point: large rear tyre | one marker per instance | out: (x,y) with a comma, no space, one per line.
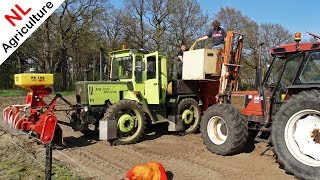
(189,110)
(224,130)
(130,119)
(295,135)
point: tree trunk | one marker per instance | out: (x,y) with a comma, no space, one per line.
(47,46)
(64,69)
(19,63)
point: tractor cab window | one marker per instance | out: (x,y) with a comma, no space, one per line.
(138,69)
(122,68)
(310,72)
(274,73)
(283,70)
(151,67)
(291,69)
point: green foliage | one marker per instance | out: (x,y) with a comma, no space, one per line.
(13,169)
(60,171)
(13,92)
(16,169)
(67,93)
(15,164)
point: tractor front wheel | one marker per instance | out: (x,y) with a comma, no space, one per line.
(224,130)
(189,110)
(296,137)
(130,119)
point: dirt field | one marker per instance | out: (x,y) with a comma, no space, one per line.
(183,157)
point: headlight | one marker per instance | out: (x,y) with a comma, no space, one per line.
(86,109)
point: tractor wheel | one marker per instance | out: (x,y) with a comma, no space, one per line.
(189,110)
(296,137)
(224,130)
(130,119)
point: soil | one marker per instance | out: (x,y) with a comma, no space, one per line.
(184,157)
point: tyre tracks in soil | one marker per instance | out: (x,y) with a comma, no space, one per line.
(202,164)
(117,161)
(105,160)
(185,157)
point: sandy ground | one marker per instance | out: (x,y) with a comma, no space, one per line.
(184,157)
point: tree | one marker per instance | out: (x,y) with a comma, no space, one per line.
(274,34)
(159,12)
(111,25)
(75,19)
(271,34)
(135,23)
(185,24)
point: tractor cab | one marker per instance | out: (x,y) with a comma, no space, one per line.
(145,71)
(132,71)
(294,68)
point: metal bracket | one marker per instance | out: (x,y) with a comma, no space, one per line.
(175,123)
(108,130)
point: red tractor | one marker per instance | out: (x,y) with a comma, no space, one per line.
(285,109)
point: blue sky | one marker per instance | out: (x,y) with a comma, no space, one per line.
(296,16)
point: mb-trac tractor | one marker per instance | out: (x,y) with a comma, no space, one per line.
(138,93)
(285,110)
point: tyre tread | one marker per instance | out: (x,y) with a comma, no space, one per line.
(130,104)
(192,101)
(285,160)
(239,128)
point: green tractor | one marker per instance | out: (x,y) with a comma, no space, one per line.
(136,95)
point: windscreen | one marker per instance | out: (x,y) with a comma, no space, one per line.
(291,69)
(122,68)
(275,72)
(310,73)
(283,70)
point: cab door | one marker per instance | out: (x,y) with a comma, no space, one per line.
(152,87)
